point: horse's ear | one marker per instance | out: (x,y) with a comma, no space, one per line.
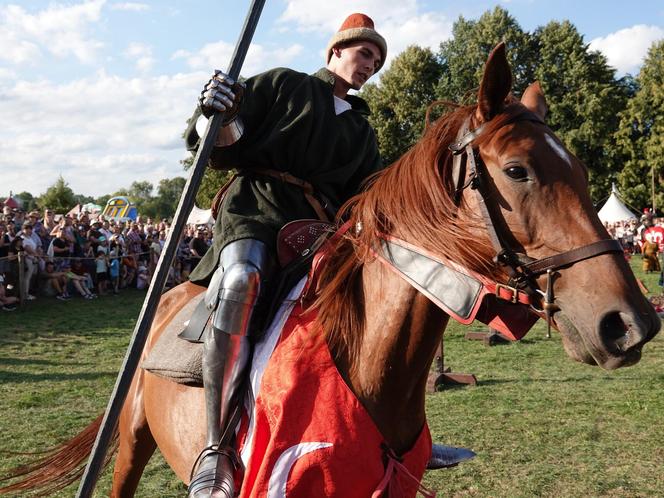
(533,99)
(496,84)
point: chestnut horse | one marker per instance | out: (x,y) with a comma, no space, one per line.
(371,317)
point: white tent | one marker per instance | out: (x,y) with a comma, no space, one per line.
(200,216)
(614,210)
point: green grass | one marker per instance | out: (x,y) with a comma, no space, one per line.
(542,425)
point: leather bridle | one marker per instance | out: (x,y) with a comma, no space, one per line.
(522,269)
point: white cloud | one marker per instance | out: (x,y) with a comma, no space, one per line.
(625,49)
(101,132)
(401,22)
(425,30)
(59,29)
(259,58)
(313,15)
(141,54)
(132,6)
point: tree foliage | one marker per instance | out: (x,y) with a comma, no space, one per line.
(27,201)
(58,197)
(399,104)
(641,133)
(463,56)
(584,100)
(584,96)
(614,125)
(212,181)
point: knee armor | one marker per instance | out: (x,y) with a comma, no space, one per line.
(244,265)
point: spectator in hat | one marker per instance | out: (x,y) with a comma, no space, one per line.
(38,228)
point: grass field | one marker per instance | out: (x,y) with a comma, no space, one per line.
(542,425)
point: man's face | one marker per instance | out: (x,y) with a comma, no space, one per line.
(355,63)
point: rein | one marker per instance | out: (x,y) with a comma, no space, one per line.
(522,270)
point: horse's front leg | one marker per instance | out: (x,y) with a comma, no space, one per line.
(136,443)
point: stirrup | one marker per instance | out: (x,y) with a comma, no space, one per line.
(213,480)
(443,457)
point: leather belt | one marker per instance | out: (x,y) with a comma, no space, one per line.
(322,210)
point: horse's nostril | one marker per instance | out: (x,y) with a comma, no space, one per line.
(614,330)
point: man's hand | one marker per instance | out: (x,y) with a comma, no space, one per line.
(221,94)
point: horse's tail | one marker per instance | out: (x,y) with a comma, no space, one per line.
(57,467)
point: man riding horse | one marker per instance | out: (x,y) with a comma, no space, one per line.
(302,146)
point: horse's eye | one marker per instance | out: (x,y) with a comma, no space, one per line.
(517,172)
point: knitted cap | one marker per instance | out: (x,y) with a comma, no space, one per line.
(358,27)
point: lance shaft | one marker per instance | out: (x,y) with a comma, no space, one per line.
(145,318)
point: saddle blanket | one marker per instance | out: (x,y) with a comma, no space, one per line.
(305,430)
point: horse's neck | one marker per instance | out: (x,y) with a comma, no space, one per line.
(402,331)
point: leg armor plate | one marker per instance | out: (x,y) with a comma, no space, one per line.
(244,266)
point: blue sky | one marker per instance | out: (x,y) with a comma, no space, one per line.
(99,90)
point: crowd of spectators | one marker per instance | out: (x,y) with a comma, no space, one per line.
(632,233)
(86,255)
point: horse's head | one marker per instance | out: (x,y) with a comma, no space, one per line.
(537,195)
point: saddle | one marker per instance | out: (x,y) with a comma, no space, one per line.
(297,243)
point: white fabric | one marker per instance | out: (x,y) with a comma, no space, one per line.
(614,210)
(341,105)
(200,216)
(262,354)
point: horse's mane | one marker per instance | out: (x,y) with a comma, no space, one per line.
(412,199)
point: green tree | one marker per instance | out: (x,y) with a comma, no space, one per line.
(102,200)
(58,197)
(641,133)
(399,103)
(83,199)
(212,181)
(140,192)
(463,56)
(164,204)
(28,202)
(584,100)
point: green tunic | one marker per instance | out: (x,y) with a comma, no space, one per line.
(290,125)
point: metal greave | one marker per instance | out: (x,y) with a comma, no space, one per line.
(227,346)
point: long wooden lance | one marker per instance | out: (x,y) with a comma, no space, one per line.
(139,337)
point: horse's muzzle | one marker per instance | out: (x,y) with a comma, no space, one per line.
(624,334)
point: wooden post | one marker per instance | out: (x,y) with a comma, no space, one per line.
(440,376)
(21,277)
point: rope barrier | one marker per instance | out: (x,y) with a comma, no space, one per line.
(52,258)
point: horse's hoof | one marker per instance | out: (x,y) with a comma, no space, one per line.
(448,456)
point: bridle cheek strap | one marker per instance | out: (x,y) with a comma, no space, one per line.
(522,273)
